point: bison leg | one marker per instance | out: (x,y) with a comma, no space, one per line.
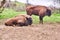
(41,19)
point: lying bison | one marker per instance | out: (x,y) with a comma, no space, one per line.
(21,20)
(41,11)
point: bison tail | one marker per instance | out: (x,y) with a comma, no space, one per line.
(48,12)
(6,24)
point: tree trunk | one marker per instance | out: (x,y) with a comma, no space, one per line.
(2,5)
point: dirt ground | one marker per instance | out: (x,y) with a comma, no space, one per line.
(47,31)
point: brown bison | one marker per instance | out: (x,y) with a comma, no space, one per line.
(41,11)
(21,20)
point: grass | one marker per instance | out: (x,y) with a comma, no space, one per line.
(8,13)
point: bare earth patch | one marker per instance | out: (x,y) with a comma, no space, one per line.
(47,31)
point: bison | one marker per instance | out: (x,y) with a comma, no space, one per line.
(40,11)
(21,20)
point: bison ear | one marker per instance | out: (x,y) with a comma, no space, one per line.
(27,18)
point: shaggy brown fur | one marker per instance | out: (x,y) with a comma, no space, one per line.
(41,11)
